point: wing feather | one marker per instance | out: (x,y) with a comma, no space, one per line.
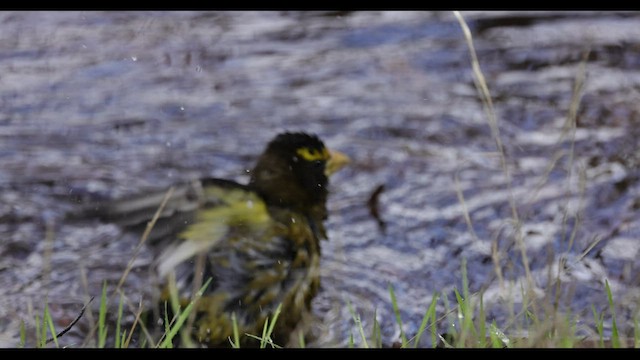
(230,211)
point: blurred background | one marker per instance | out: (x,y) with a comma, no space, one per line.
(102,105)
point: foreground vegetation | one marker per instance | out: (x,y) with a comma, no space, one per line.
(468,327)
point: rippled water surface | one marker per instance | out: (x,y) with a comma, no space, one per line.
(102,105)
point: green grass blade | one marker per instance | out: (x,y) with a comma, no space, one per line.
(123,338)
(267,329)
(174,302)
(118,343)
(102,327)
(143,343)
(263,339)
(396,311)
(235,342)
(361,330)
(482,326)
(356,319)
(615,338)
(498,338)
(599,322)
(272,324)
(23,334)
(168,340)
(41,330)
(461,303)
(451,329)
(429,314)
(49,321)
(465,320)
(376,336)
(468,326)
(274,345)
(167,324)
(568,337)
(434,325)
(301,341)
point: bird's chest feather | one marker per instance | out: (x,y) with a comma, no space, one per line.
(278,265)
(286,268)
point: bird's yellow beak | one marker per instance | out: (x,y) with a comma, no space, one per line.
(337,161)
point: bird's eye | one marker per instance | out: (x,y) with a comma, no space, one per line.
(312,154)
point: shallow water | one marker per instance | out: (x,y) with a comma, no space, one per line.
(101,105)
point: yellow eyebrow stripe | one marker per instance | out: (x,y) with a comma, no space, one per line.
(310,154)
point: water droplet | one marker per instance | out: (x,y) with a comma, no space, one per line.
(168,143)
(84,46)
(250,204)
(134,58)
(181,108)
(293,220)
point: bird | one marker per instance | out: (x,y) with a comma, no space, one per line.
(257,244)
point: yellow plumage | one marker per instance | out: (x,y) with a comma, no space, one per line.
(258,243)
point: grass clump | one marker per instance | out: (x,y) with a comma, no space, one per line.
(469,328)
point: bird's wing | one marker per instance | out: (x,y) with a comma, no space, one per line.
(184,201)
(229,212)
(135,212)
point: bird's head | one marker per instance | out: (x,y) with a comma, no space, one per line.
(294,170)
